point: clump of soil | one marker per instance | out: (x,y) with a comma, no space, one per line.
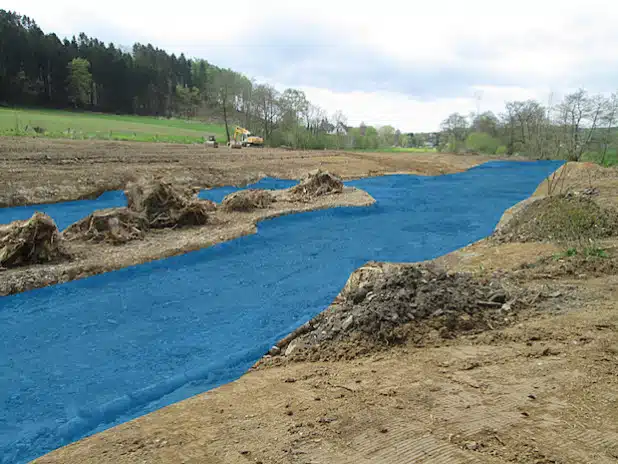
(247,200)
(34,241)
(114,225)
(317,183)
(402,302)
(165,206)
(561,219)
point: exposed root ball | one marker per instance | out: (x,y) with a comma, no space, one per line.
(165,206)
(195,213)
(247,200)
(33,241)
(115,226)
(564,218)
(318,183)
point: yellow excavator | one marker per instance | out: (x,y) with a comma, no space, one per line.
(243,138)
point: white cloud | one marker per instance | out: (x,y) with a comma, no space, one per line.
(409,64)
(409,115)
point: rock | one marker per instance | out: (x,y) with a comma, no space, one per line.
(472,446)
(274,351)
(290,349)
(290,380)
(347,323)
(326,420)
(359,295)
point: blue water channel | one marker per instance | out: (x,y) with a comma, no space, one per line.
(80,357)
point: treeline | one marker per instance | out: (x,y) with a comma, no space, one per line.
(39,69)
(580,126)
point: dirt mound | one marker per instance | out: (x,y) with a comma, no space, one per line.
(33,241)
(247,200)
(572,264)
(397,303)
(165,206)
(317,183)
(115,226)
(561,219)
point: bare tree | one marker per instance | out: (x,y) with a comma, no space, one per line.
(340,121)
(224,85)
(456,129)
(579,117)
(521,121)
(608,120)
(266,104)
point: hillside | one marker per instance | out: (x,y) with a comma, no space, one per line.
(87,125)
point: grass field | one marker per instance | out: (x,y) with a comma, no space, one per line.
(611,157)
(75,125)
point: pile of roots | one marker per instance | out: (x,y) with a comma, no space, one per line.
(317,183)
(165,206)
(114,225)
(247,200)
(404,302)
(33,241)
(561,219)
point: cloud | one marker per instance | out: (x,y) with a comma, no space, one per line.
(410,64)
(413,115)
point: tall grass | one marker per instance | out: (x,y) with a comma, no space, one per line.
(610,158)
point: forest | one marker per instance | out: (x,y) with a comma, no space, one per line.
(41,70)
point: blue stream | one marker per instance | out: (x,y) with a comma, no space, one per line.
(80,357)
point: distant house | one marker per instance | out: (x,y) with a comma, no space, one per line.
(339,129)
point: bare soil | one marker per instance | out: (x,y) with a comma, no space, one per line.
(539,387)
(46,170)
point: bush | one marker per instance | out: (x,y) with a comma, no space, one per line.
(483,143)
(501,150)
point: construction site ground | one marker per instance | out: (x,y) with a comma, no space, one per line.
(44,170)
(542,389)
(36,171)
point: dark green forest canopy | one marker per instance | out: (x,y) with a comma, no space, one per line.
(35,70)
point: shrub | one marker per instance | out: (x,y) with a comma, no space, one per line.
(482,142)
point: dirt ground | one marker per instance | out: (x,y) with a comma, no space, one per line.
(45,170)
(542,390)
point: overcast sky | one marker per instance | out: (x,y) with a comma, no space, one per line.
(408,64)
